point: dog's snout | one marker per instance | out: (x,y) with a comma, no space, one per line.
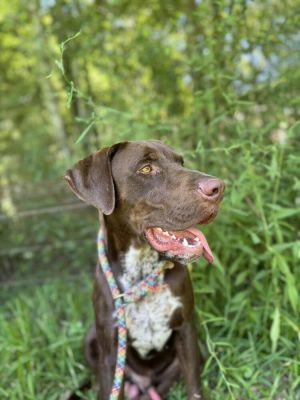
(211,189)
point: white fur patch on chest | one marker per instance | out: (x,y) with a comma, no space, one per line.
(148,319)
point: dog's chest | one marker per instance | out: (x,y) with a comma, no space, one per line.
(148,319)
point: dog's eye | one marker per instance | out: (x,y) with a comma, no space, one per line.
(146,169)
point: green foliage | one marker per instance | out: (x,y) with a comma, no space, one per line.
(217,80)
(39,347)
(249,303)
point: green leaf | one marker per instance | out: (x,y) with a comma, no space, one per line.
(59,65)
(292,293)
(284,212)
(275,329)
(241,277)
(84,133)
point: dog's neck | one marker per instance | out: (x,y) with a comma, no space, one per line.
(118,235)
(130,255)
(137,263)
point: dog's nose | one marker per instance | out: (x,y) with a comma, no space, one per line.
(211,189)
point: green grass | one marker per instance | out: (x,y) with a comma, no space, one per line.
(41,335)
(42,329)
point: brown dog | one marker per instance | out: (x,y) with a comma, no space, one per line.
(148,204)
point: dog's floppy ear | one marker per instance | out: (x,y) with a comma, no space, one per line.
(91,180)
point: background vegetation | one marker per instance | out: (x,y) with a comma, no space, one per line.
(217,80)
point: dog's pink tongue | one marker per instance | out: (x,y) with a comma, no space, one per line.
(207,253)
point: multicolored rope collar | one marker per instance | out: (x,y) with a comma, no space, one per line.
(151,284)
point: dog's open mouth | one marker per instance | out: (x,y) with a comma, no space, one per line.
(187,244)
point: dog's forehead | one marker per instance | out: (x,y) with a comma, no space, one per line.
(132,153)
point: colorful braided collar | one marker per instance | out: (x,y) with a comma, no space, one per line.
(151,284)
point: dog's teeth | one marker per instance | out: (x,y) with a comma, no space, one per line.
(185,242)
(166,233)
(173,237)
(197,239)
(159,229)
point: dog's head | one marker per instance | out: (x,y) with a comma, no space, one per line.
(144,186)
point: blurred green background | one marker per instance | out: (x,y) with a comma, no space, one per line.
(217,80)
